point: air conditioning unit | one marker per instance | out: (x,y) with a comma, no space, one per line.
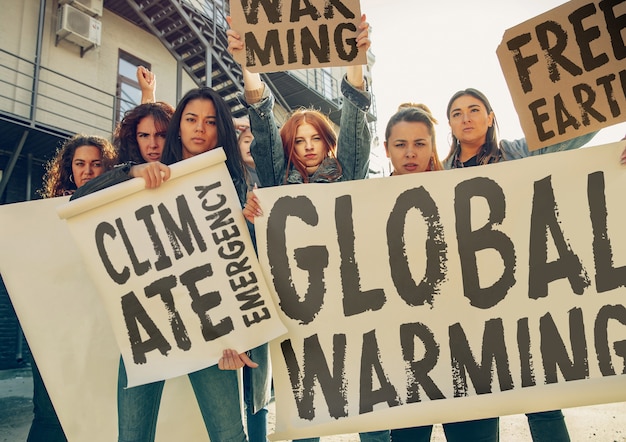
(91,7)
(76,26)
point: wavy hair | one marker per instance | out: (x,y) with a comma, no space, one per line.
(57,179)
(125,135)
(324,128)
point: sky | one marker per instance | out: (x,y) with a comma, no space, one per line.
(427,50)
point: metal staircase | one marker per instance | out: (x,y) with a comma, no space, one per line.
(194,33)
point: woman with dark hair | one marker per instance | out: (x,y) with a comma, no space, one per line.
(80,159)
(307,149)
(140,136)
(201,122)
(475,138)
(475,143)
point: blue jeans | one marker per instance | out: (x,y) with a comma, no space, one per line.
(45,426)
(372,436)
(217,394)
(256,423)
(548,426)
(481,430)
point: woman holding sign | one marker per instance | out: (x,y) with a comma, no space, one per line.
(79,160)
(201,122)
(475,143)
(307,149)
(411,147)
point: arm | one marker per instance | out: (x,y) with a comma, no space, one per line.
(516,149)
(267,148)
(147,83)
(354,142)
(154,174)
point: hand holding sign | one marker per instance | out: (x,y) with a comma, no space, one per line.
(281,36)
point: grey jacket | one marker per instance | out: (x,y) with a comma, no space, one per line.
(516,149)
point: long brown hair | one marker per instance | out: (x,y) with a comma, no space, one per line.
(324,128)
(490,151)
(125,135)
(58,179)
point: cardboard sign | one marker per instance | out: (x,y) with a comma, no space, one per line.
(176,269)
(448,296)
(296,34)
(566,70)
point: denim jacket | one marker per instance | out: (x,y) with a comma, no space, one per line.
(517,149)
(353,143)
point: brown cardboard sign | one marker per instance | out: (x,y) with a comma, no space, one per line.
(566,70)
(297,34)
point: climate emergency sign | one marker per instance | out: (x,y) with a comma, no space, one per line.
(566,70)
(449,295)
(283,35)
(175,268)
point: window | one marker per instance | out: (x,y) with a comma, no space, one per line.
(128,90)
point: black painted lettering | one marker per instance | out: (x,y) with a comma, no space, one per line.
(105,229)
(298,12)
(544,219)
(331,5)
(202,303)
(270,50)
(272,8)
(145,214)
(140,268)
(607,276)
(417,370)
(607,83)
(563,117)
(615,26)
(526,361)
(355,300)
(601,332)
(553,351)
(163,287)
(493,351)
(485,237)
(522,64)
(315,369)
(313,258)
(540,118)
(182,234)
(435,248)
(310,45)
(134,313)
(551,30)
(584,37)
(349,43)
(370,365)
(586,103)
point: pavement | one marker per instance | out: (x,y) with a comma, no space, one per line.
(601,423)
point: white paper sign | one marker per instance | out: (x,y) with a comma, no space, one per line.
(448,296)
(176,269)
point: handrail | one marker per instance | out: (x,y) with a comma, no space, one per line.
(61,101)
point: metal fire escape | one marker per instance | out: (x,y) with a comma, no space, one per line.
(194,32)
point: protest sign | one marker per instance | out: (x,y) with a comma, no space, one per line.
(68,331)
(566,70)
(176,269)
(286,35)
(448,296)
